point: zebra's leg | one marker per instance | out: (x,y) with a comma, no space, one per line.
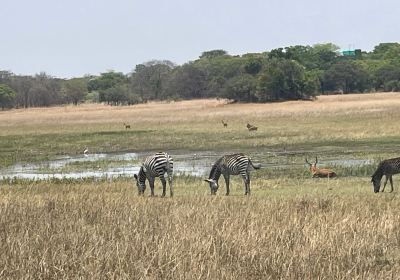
(151,183)
(391,183)
(246,180)
(171,192)
(226,177)
(164,185)
(384,185)
(248,183)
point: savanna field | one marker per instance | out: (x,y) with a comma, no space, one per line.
(291,227)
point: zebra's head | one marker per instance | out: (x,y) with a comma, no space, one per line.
(141,180)
(376,182)
(213,185)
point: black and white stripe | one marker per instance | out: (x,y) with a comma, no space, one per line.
(236,164)
(155,166)
(387,167)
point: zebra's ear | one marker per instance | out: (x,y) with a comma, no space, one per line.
(135,175)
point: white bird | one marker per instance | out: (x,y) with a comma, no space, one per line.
(85,151)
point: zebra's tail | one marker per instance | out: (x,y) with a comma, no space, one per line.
(255,165)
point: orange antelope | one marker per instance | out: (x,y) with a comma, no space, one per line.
(251,127)
(320,173)
(224,123)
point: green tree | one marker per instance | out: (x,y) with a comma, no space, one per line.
(241,88)
(346,76)
(7,96)
(213,54)
(187,81)
(106,80)
(149,79)
(285,79)
(75,90)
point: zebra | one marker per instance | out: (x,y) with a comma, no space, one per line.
(227,165)
(155,166)
(387,167)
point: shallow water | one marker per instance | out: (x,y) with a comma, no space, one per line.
(189,163)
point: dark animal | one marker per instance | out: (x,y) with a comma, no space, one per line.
(155,166)
(320,173)
(387,167)
(224,123)
(251,127)
(236,164)
(127,126)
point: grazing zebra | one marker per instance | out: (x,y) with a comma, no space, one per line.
(155,166)
(224,123)
(387,167)
(231,165)
(251,127)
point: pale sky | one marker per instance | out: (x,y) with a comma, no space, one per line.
(70,38)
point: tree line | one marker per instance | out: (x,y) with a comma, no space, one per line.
(290,73)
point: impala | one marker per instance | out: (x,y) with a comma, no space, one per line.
(320,173)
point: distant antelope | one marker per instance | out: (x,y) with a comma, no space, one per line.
(320,173)
(127,126)
(155,166)
(251,127)
(224,123)
(231,165)
(387,167)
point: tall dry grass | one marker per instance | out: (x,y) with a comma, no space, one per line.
(103,231)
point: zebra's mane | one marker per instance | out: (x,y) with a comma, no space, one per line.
(378,172)
(142,174)
(215,172)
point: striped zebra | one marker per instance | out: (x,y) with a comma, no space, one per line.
(387,167)
(231,165)
(155,166)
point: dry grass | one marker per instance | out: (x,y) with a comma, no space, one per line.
(102,231)
(191,112)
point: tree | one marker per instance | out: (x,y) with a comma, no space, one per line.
(149,79)
(7,96)
(386,51)
(346,76)
(106,80)
(285,79)
(187,81)
(45,91)
(74,90)
(241,88)
(22,85)
(213,54)
(387,76)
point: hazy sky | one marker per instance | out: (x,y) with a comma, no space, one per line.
(67,38)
